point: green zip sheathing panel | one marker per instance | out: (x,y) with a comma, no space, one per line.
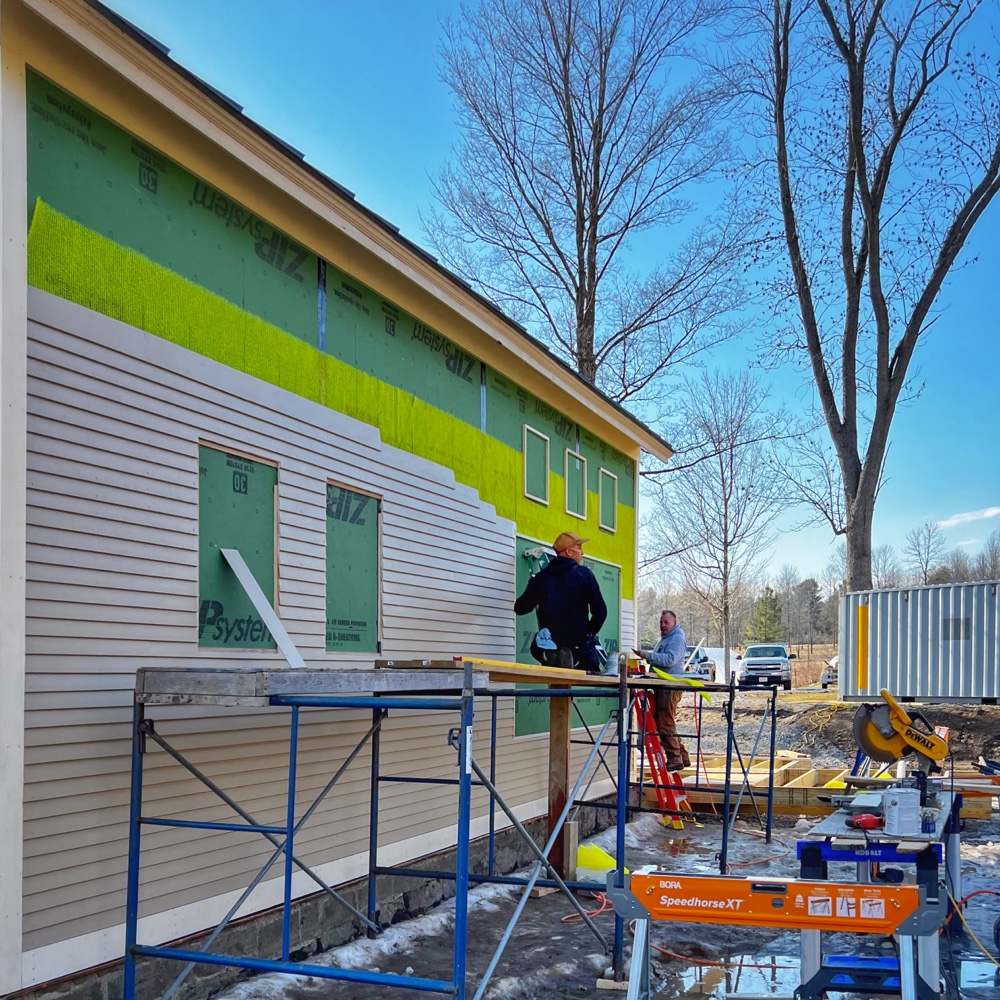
(79,264)
(104,178)
(107,180)
(236,499)
(372,334)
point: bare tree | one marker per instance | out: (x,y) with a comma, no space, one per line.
(988,560)
(784,585)
(721,509)
(886,571)
(810,612)
(583,126)
(955,567)
(834,576)
(880,129)
(924,549)
(650,601)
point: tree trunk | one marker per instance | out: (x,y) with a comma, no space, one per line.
(860,513)
(586,358)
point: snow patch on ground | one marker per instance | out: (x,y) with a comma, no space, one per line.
(637,833)
(538,984)
(400,939)
(987,856)
(272,986)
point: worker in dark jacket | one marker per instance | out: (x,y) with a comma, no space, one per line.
(569,605)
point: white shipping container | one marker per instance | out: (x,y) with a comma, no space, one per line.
(935,643)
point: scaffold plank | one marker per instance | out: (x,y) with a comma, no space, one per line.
(255,686)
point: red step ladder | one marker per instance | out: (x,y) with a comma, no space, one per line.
(670,791)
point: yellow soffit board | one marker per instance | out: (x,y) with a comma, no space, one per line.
(98,63)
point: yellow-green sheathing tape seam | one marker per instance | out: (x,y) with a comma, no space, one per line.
(78,264)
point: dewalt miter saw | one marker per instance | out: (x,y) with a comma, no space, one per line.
(888,733)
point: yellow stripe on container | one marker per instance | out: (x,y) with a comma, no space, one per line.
(862,647)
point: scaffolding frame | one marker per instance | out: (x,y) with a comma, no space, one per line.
(422,696)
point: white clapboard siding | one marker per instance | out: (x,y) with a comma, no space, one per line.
(629,637)
(115,420)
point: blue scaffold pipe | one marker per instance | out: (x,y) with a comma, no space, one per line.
(194,824)
(728,710)
(491,868)
(464,824)
(299,969)
(378,715)
(286,914)
(134,835)
(341,701)
(618,946)
(770,770)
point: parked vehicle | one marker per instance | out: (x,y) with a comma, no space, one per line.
(702,664)
(830,671)
(766,663)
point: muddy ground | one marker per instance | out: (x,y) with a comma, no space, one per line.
(550,957)
(824,729)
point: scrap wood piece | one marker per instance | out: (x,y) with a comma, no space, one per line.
(968,786)
(504,670)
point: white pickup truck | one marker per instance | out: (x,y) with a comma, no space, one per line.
(767,663)
(829,675)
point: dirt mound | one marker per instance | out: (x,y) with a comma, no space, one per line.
(824,729)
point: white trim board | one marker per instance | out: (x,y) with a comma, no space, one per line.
(13,523)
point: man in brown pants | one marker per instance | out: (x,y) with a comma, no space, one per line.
(669,656)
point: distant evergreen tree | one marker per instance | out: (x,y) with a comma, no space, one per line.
(764,624)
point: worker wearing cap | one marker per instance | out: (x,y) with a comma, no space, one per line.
(568,602)
(669,655)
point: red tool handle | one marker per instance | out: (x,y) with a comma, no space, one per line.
(866,821)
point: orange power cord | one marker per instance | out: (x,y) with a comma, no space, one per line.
(607,907)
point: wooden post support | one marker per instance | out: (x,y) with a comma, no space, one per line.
(560,710)
(571,846)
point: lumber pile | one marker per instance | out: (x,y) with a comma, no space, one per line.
(800,788)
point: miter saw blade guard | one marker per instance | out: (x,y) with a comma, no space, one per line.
(875,735)
(887,733)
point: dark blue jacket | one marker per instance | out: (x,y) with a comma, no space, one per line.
(568,600)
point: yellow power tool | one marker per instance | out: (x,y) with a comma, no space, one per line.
(888,733)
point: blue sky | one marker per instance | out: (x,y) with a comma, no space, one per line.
(355,87)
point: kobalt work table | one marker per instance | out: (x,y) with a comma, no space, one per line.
(917,974)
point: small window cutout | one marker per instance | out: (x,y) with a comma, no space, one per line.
(536,465)
(956,629)
(575,472)
(608,497)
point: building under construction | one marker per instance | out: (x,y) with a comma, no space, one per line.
(208,347)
